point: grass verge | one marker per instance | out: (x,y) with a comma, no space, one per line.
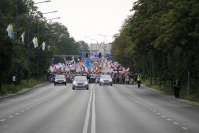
(193,96)
(10,89)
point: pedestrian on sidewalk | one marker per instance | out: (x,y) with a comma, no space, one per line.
(14,80)
(176,88)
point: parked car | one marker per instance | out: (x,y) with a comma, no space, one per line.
(80,82)
(60,79)
(106,79)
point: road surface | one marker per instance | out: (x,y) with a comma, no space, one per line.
(101,109)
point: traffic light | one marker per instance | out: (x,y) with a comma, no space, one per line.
(100,55)
(86,55)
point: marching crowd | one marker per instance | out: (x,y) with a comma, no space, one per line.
(117,77)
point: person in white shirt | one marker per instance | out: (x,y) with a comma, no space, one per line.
(14,80)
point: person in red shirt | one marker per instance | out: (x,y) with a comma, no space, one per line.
(117,78)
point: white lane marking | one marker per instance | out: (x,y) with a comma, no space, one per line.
(93,124)
(169,119)
(175,123)
(22,111)
(3,120)
(154,111)
(11,116)
(158,113)
(17,113)
(27,108)
(163,116)
(184,128)
(85,128)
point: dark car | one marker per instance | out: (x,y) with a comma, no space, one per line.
(80,82)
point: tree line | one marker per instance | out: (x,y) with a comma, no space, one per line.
(22,59)
(161,39)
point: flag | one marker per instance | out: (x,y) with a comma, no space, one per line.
(43,46)
(10,31)
(87,63)
(48,47)
(35,42)
(23,37)
(126,71)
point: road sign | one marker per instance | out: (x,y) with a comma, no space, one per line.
(96,55)
(109,55)
(83,55)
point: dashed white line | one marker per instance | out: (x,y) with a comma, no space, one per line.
(175,123)
(17,113)
(184,128)
(22,111)
(11,116)
(3,120)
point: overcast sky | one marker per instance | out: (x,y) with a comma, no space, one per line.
(86,19)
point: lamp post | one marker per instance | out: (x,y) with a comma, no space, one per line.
(38,50)
(54,18)
(28,48)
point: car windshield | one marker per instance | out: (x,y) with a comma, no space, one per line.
(80,78)
(60,76)
(106,76)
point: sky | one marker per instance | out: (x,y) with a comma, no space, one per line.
(89,20)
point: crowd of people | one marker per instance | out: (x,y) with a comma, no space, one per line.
(117,76)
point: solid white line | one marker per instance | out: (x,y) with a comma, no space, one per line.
(93,124)
(85,128)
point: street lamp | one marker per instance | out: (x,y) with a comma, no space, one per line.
(54,18)
(28,48)
(43,2)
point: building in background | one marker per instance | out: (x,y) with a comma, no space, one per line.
(103,48)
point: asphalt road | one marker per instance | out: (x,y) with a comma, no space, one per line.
(101,109)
